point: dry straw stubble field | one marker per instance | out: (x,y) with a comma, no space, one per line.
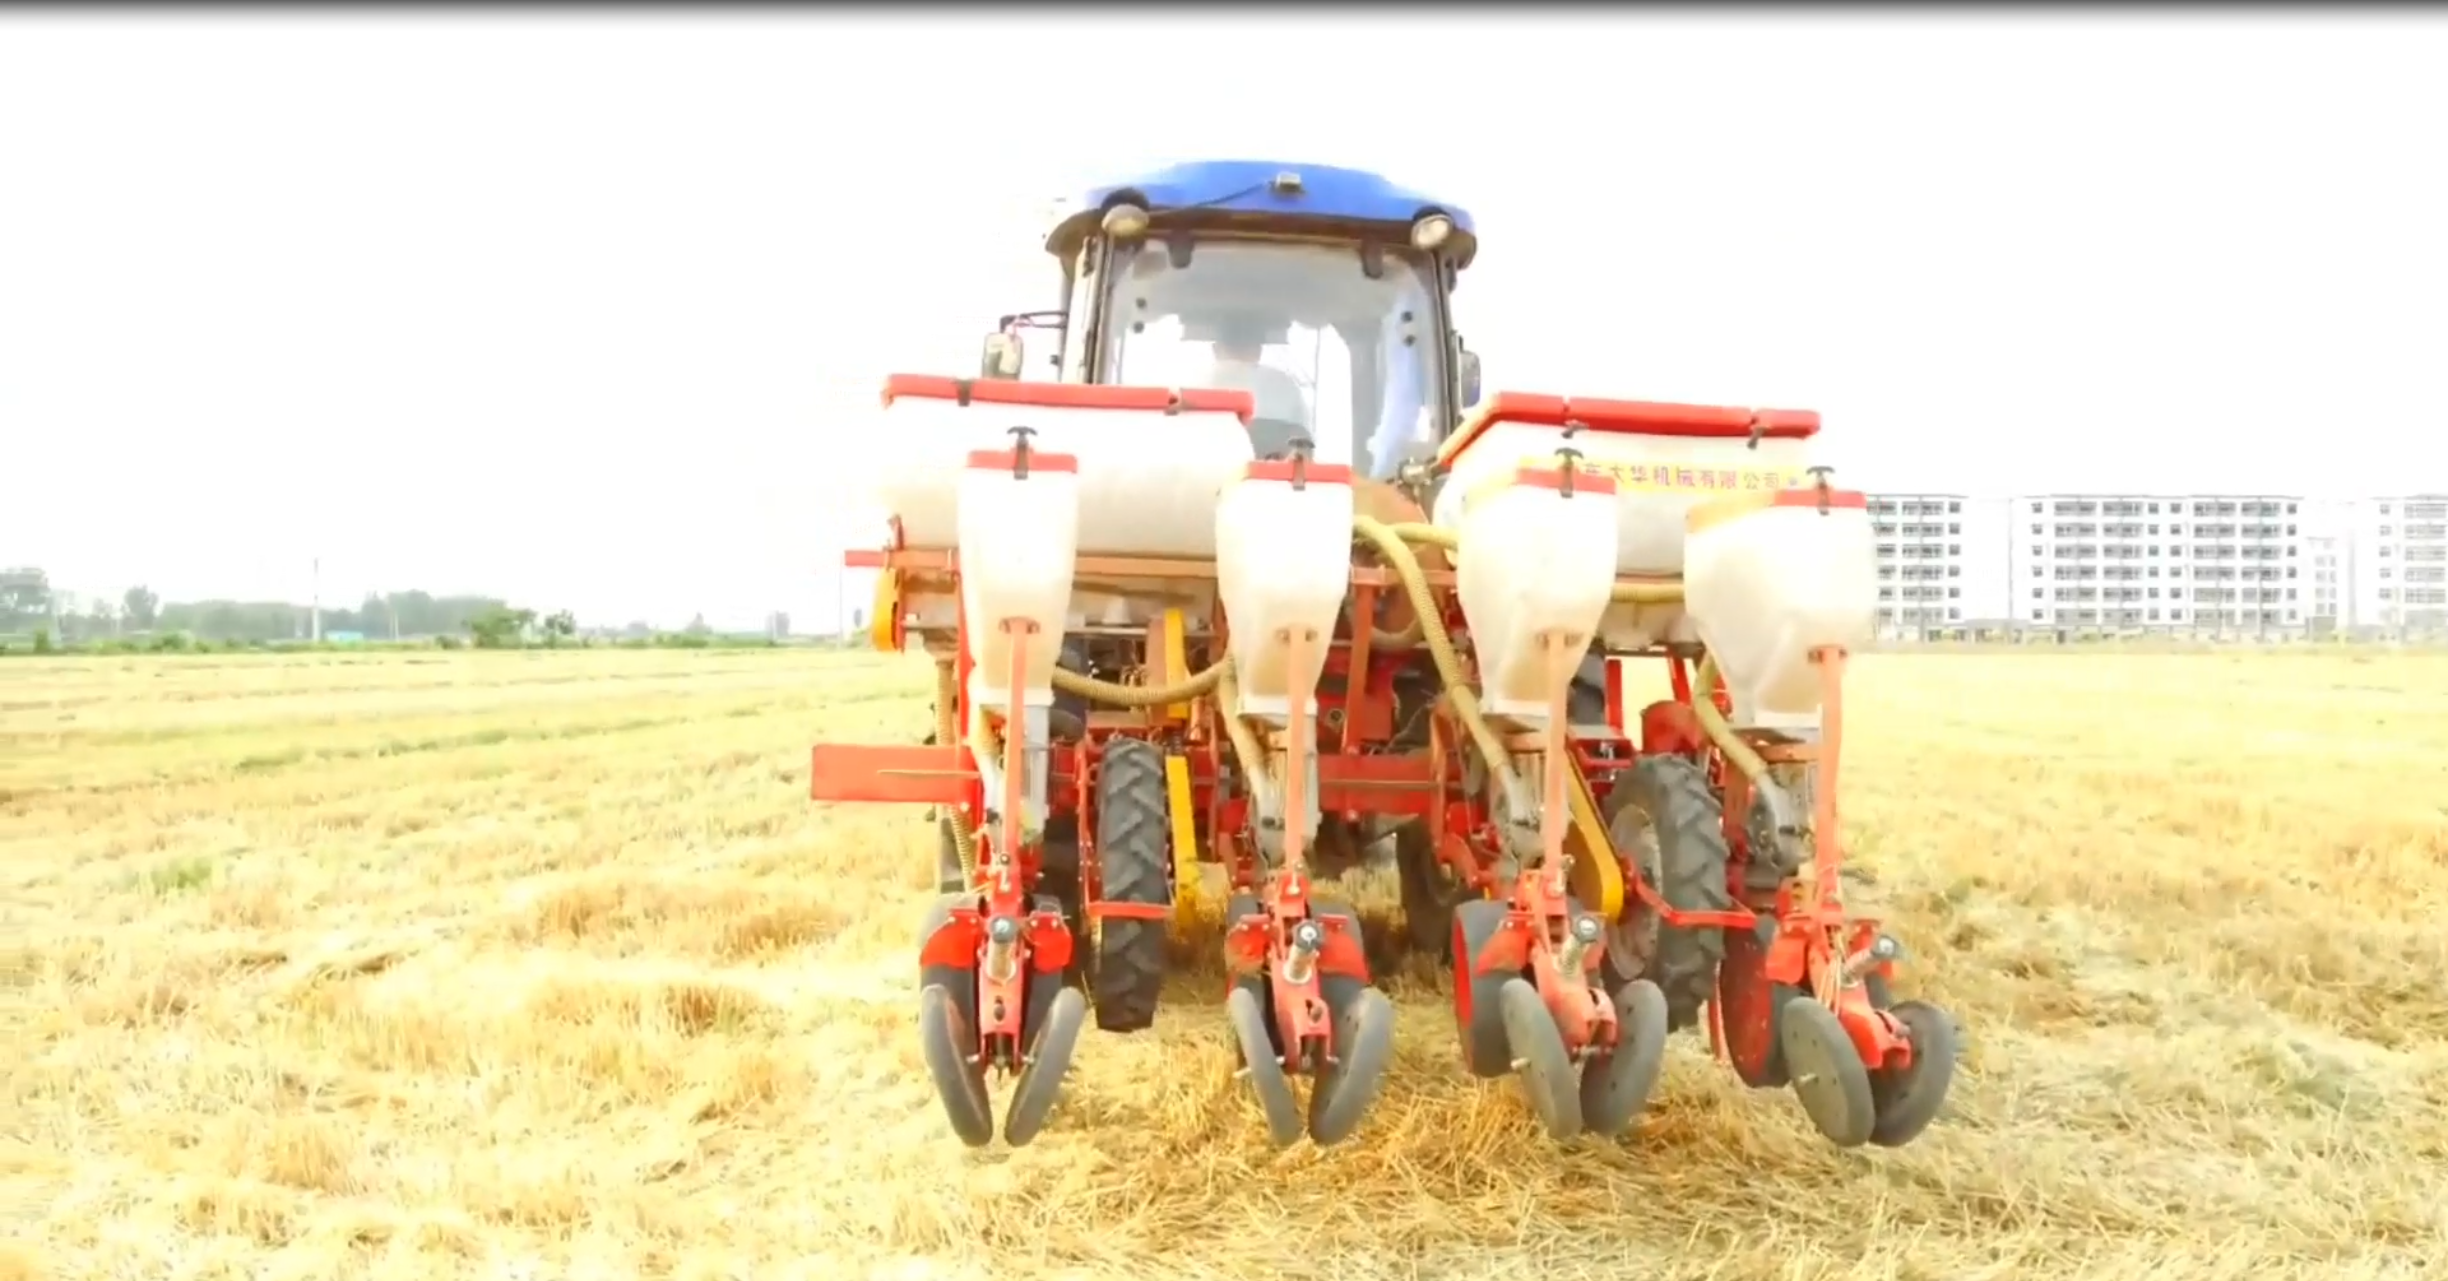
(460,965)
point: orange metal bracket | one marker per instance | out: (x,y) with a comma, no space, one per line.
(915,774)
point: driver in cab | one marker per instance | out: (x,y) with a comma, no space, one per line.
(1282,408)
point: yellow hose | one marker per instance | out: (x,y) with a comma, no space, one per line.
(1412,531)
(1244,743)
(1730,744)
(1117,695)
(1406,567)
(1392,543)
(1647,594)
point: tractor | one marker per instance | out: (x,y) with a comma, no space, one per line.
(1250,574)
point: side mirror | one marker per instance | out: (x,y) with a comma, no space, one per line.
(1000,357)
(1467,363)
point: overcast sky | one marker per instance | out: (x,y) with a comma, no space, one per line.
(588,309)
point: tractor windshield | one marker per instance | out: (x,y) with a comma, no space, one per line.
(1350,362)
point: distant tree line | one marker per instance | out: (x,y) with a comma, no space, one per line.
(34,615)
(28,603)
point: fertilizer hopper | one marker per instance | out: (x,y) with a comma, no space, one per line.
(1255,576)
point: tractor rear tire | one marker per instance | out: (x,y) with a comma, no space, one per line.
(1134,845)
(1687,818)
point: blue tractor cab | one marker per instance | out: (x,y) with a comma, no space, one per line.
(1324,292)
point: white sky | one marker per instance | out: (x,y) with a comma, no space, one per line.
(587,309)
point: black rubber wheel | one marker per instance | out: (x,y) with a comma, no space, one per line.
(1828,1075)
(1254,1033)
(1547,1068)
(1478,1008)
(1134,846)
(1616,1086)
(1429,892)
(1068,721)
(945,1038)
(1049,1057)
(1058,879)
(1686,817)
(1907,1101)
(1363,1049)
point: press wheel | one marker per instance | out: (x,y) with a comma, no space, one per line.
(1908,1099)
(1266,1073)
(1546,1067)
(1478,998)
(1828,1075)
(1049,1057)
(1616,1086)
(1363,1049)
(950,1048)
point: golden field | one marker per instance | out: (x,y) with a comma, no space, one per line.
(542,965)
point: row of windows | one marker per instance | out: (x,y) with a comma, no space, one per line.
(2130,573)
(2175,551)
(2139,507)
(2131,617)
(2134,617)
(2423,509)
(2138,530)
(2173,593)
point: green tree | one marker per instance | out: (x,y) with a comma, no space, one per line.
(500,627)
(140,607)
(559,626)
(25,598)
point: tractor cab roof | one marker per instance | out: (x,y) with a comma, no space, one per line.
(1269,195)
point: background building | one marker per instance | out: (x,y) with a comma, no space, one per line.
(2325,607)
(2397,570)
(2221,564)
(1941,561)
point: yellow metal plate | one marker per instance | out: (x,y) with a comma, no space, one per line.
(1176,661)
(1185,836)
(884,613)
(1597,879)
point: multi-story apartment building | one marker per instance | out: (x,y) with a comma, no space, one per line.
(2205,563)
(1941,561)
(1915,562)
(2325,604)
(2397,580)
